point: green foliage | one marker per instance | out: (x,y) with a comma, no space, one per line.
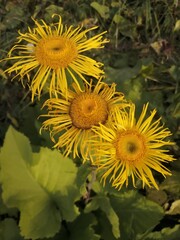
(171,185)
(40,185)
(140,213)
(44,187)
(126,211)
(44,194)
(9,230)
(101,9)
(81,229)
(164,234)
(102,202)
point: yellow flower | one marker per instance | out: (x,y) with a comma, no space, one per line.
(72,115)
(55,51)
(131,149)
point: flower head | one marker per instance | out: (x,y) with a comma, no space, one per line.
(131,149)
(72,116)
(55,51)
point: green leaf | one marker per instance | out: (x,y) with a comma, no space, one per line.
(171,184)
(9,230)
(104,226)
(82,229)
(40,185)
(29,122)
(177,26)
(175,208)
(13,18)
(39,216)
(102,202)
(126,27)
(101,9)
(122,75)
(137,214)
(13,212)
(164,234)
(57,175)
(157,196)
(83,171)
(20,145)
(127,81)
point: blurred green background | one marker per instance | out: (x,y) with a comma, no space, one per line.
(142,58)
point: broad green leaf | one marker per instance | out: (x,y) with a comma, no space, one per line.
(39,215)
(165,234)
(82,229)
(40,185)
(104,226)
(101,9)
(4,209)
(175,208)
(19,145)
(57,174)
(9,230)
(102,202)
(137,214)
(12,212)
(127,82)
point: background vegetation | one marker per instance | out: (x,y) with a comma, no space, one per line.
(143,59)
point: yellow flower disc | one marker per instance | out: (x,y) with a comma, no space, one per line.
(56,51)
(87,110)
(130,146)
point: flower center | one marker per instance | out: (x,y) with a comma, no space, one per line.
(87,110)
(56,52)
(130,146)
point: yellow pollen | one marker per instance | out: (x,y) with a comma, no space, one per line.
(87,110)
(56,52)
(130,146)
